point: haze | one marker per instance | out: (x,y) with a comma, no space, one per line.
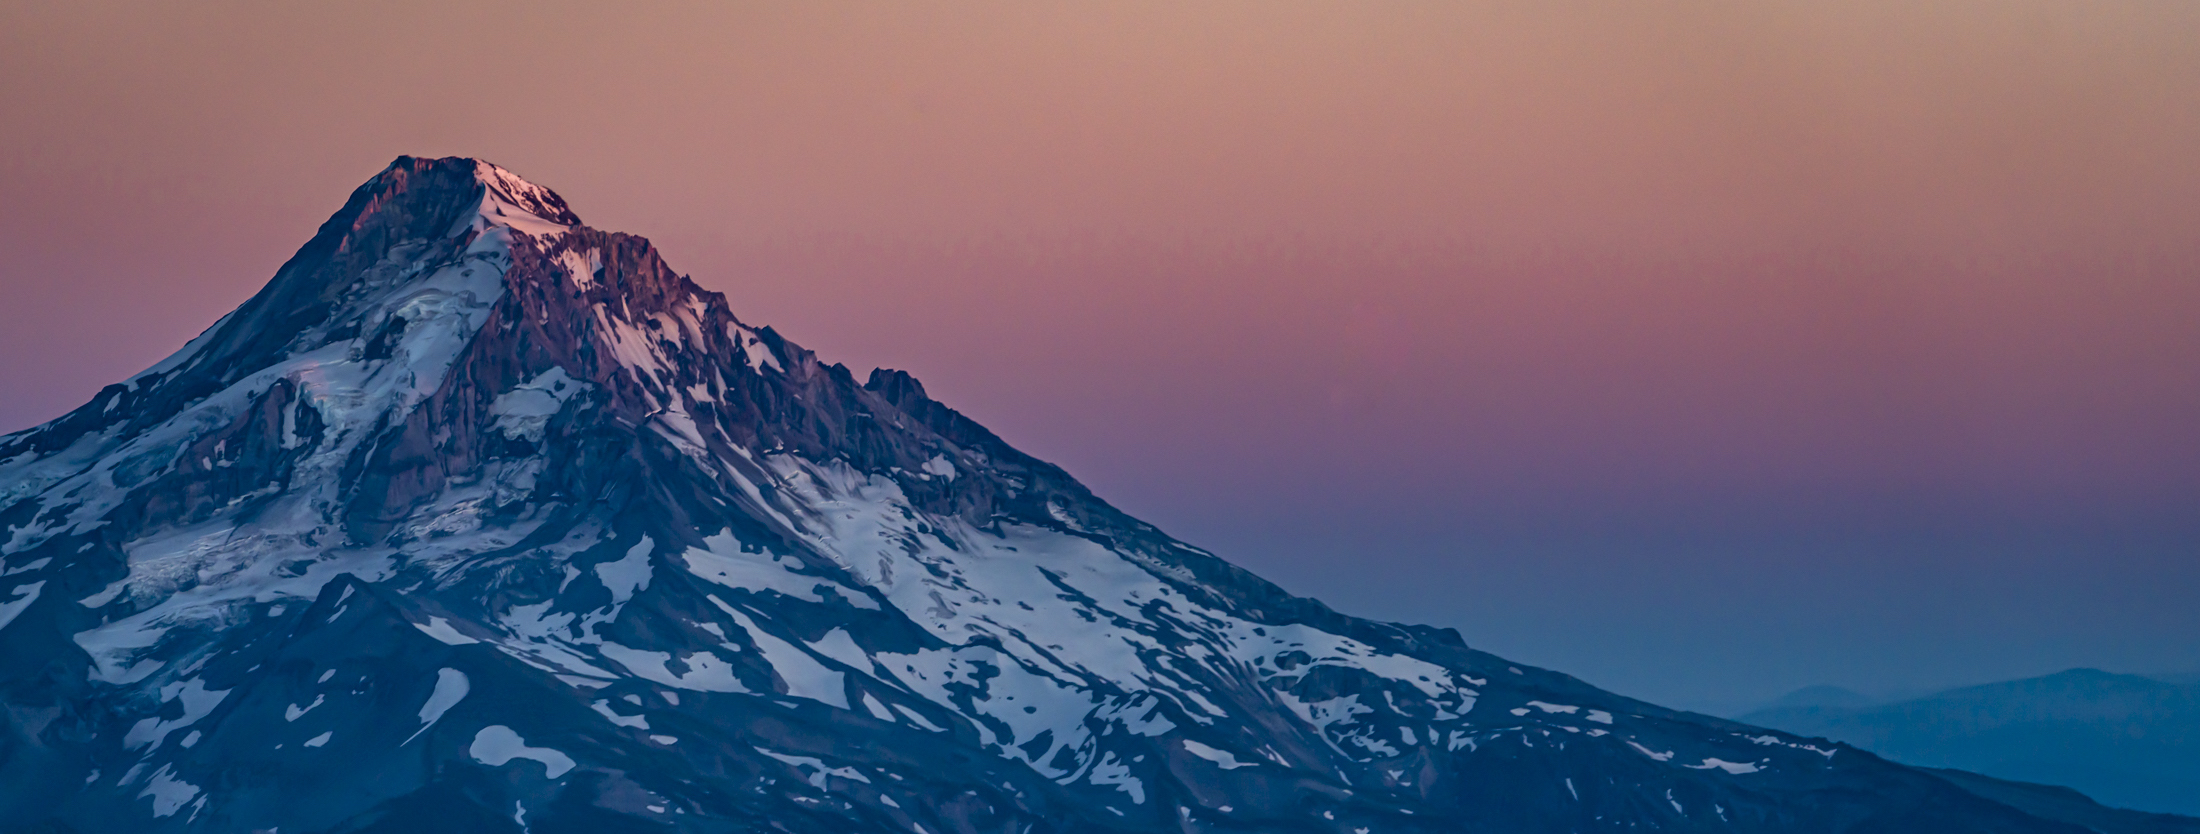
(1702,350)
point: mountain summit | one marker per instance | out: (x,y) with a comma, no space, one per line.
(477,519)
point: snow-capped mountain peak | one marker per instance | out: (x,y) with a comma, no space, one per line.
(477,518)
(507,200)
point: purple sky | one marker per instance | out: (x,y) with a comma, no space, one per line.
(1704,350)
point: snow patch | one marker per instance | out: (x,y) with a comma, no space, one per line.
(451,687)
(603,708)
(198,702)
(294,712)
(1663,757)
(836,644)
(721,560)
(1109,771)
(524,412)
(441,629)
(940,466)
(168,792)
(629,575)
(24,595)
(1775,740)
(752,346)
(1221,758)
(1722,764)
(497,744)
(804,676)
(106,595)
(877,710)
(817,767)
(706,672)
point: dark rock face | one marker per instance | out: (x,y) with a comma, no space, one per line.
(477,519)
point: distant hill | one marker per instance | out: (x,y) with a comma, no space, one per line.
(2060,803)
(2125,740)
(1823,696)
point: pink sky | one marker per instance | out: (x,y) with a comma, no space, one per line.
(1567,315)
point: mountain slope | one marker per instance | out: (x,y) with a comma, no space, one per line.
(478,519)
(2125,740)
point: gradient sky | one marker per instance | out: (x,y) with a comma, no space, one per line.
(1704,350)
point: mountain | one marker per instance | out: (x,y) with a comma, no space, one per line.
(2125,740)
(2060,803)
(1823,696)
(477,519)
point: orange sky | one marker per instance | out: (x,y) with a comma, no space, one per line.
(1525,296)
